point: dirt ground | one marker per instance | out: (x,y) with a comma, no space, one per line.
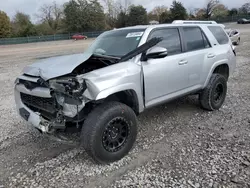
(179,145)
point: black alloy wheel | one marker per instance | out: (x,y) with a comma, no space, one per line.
(116,134)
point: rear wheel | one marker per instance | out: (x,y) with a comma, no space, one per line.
(109,132)
(213,96)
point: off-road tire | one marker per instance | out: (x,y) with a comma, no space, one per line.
(207,96)
(96,126)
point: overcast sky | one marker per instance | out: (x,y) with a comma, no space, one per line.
(31,6)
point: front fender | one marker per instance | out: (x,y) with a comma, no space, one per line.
(123,87)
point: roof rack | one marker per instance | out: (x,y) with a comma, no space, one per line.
(193,22)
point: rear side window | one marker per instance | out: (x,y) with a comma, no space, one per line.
(219,34)
(171,39)
(195,39)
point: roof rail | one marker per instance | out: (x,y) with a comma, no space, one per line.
(193,22)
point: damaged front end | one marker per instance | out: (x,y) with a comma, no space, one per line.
(51,105)
(54,103)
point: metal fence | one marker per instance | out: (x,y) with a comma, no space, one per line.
(44,38)
(233,18)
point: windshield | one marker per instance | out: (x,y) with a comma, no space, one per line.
(116,43)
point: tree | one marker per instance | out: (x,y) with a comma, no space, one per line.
(210,6)
(123,5)
(178,11)
(165,17)
(152,16)
(220,11)
(191,14)
(122,20)
(233,11)
(137,15)
(5,25)
(43,29)
(200,14)
(157,11)
(72,11)
(112,11)
(52,14)
(245,9)
(96,16)
(22,26)
(83,15)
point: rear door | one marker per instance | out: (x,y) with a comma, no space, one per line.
(198,52)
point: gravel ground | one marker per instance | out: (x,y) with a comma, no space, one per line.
(179,145)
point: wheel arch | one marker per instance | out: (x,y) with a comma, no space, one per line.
(124,94)
(220,68)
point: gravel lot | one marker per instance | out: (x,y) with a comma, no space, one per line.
(179,145)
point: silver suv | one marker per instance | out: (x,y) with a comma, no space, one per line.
(124,72)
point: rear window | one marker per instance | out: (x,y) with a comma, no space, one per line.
(219,34)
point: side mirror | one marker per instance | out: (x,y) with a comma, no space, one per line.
(156,52)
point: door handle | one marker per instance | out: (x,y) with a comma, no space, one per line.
(210,55)
(183,62)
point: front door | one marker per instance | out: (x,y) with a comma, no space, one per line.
(168,75)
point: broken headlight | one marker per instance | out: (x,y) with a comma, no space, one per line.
(68,90)
(68,93)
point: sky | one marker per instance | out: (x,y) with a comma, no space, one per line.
(31,7)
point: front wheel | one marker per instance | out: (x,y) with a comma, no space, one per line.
(213,96)
(109,132)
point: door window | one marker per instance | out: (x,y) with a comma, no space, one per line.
(171,39)
(195,39)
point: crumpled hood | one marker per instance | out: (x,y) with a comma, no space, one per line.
(56,66)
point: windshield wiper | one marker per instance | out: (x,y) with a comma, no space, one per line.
(105,58)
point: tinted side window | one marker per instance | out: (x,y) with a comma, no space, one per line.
(194,38)
(219,34)
(171,40)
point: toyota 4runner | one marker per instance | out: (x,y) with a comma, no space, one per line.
(124,72)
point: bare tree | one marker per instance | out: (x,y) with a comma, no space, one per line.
(245,9)
(123,5)
(158,10)
(111,8)
(51,14)
(210,6)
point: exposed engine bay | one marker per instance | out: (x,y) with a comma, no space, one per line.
(95,62)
